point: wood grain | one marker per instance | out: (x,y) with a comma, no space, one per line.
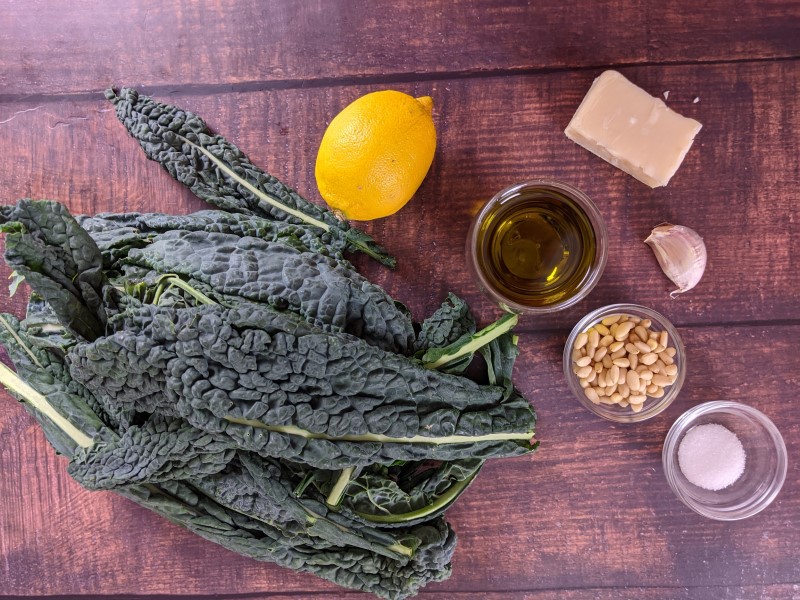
(737,187)
(53,48)
(590,510)
(588,516)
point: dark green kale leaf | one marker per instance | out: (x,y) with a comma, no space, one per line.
(331,295)
(116,234)
(451,321)
(74,429)
(161,449)
(219,173)
(59,260)
(287,390)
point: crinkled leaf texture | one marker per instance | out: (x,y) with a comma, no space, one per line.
(285,389)
(219,173)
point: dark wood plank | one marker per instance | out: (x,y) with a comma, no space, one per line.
(590,510)
(737,186)
(52,48)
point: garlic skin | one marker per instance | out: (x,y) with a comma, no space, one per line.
(681,253)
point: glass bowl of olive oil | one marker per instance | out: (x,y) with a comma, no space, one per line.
(537,247)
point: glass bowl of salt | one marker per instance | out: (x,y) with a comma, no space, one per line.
(725,460)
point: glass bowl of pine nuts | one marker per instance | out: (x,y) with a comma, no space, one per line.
(625,362)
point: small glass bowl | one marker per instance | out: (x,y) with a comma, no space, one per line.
(765,462)
(651,406)
(513,193)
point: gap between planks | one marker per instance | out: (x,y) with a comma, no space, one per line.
(210,89)
(344,594)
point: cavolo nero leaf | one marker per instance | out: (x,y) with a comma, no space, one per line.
(449,323)
(407,562)
(219,173)
(282,388)
(331,295)
(117,234)
(58,259)
(463,349)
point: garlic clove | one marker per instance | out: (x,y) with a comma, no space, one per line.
(681,253)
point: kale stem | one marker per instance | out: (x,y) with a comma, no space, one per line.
(16,337)
(375,437)
(483,337)
(196,294)
(339,488)
(22,390)
(257,192)
(439,503)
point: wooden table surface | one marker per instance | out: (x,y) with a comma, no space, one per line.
(588,516)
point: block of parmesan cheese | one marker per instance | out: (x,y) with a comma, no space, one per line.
(626,126)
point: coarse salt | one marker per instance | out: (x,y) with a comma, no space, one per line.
(711,456)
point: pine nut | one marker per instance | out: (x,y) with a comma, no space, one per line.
(581,340)
(668,360)
(601,379)
(616,346)
(652,388)
(649,358)
(623,331)
(636,407)
(646,375)
(616,398)
(584,372)
(631,349)
(584,384)
(591,394)
(652,344)
(659,393)
(634,360)
(601,329)
(600,353)
(598,367)
(643,348)
(606,340)
(624,403)
(583,361)
(624,390)
(609,321)
(632,379)
(594,338)
(614,374)
(671,352)
(663,339)
(646,323)
(622,362)
(618,353)
(637,399)
(641,332)
(661,380)
(607,361)
(671,370)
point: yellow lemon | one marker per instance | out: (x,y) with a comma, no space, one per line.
(375,154)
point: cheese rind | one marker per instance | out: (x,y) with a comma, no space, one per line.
(632,130)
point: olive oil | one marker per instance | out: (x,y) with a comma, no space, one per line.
(536,248)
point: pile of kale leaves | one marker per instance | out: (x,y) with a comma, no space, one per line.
(231,371)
